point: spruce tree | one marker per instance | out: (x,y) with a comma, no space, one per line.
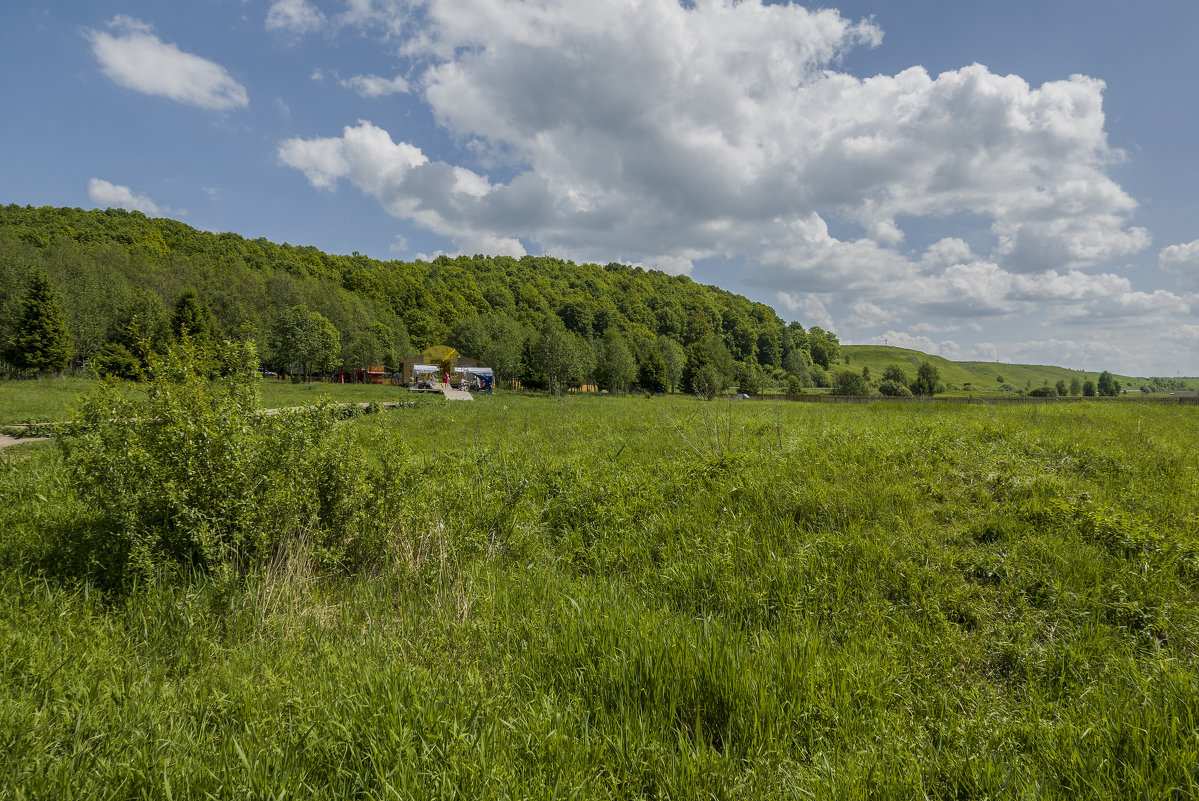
(193,318)
(39,340)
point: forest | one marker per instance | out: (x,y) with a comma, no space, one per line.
(126,282)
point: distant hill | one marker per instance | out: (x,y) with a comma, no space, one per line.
(113,268)
(979,377)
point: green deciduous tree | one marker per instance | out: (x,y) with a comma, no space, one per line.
(823,346)
(1107,385)
(708,352)
(304,338)
(706,382)
(927,377)
(847,382)
(674,358)
(559,359)
(1088,388)
(749,378)
(188,472)
(615,366)
(39,340)
(374,345)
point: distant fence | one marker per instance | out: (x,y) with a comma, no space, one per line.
(982,401)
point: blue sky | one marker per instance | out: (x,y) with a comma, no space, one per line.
(1011,181)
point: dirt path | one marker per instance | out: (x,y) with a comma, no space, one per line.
(7,441)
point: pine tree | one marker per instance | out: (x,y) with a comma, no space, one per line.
(39,340)
(651,375)
(193,318)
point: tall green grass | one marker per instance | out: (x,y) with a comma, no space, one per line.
(632,598)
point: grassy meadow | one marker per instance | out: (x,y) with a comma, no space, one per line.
(614,597)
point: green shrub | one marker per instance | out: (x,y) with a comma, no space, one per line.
(846,382)
(894,389)
(189,472)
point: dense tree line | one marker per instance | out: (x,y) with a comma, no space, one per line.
(126,284)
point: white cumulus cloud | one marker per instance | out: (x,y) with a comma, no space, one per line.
(1183,260)
(110,195)
(664,133)
(134,57)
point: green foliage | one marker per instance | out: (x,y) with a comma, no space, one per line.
(193,318)
(896,374)
(674,359)
(141,323)
(708,352)
(226,285)
(375,345)
(188,472)
(1088,388)
(847,382)
(651,373)
(1107,385)
(114,360)
(894,389)
(823,346)
(558,359)
(794,387)
(305,338)
(749,379)
(926,380)
(1043,392)
(496,340)
(615,367)
(706,382)
(820,377)
(39,340)
(604,598)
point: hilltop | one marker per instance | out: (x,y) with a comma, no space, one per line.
(983,376)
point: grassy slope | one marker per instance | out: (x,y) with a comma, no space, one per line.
(982,375)
(629,598)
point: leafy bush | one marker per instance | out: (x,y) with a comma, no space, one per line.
(846,382)
(894,389)
(819,376)
(188,471)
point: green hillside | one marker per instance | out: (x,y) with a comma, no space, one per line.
(122,278)
(979,377)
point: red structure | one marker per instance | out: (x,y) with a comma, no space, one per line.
(374,374)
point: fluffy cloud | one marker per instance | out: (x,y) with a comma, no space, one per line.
(294,16)
(374,86)
(134,57)
(111,195)
(714,128)
(1182,260)
(663,133)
